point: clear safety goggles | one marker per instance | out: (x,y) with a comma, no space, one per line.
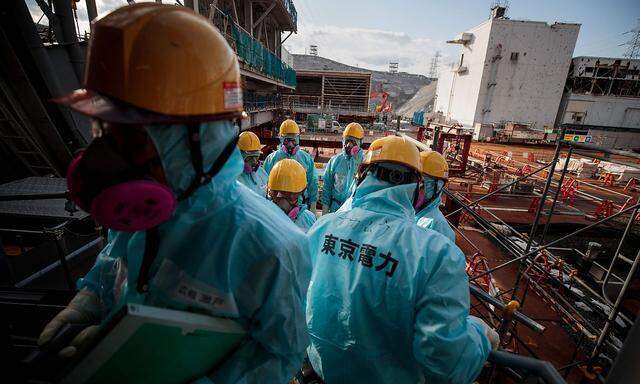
(250,155)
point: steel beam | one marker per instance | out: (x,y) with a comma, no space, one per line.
(597,148)
(555,196)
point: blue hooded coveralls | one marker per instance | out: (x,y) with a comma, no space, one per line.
(387,304)
(305,160)
(223,242)
(255,181)
(339,178)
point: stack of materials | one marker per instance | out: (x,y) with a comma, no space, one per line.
(623,172)
(581,167)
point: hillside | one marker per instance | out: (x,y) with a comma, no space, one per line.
(424,98)
(400,86)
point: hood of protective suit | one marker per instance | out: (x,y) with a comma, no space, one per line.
(380,196)
(429,188)
(173,148)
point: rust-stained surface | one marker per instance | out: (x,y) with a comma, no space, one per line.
(554,345)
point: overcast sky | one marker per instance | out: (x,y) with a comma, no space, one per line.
(371,33)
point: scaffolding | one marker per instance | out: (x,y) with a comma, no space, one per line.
(334,92)
(597,325)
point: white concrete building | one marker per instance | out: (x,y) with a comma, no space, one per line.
(601,104)
(508,71)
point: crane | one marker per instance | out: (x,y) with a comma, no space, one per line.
(384,105)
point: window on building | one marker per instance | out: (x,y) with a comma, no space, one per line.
(588,69)
(461,59)
(578,118)
(514,56)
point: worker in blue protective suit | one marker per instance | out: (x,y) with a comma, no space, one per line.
(435,172)
(387,304)
(253,175)
(290,149)
(186,234)
(287,182)
(339,174)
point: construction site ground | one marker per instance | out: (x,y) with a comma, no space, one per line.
(558,342)
(555,344)
(517,209)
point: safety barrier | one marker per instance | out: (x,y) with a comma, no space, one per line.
(255,55)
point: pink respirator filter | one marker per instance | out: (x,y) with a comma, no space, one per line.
(293,214)
(293,151)
(74,183)
(420,199)
(134,205)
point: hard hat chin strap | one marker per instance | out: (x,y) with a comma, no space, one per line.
(195,149)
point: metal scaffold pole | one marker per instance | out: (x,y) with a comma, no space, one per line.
(555,196)
(545,192)
(534,227)
(616,307)
(609,273)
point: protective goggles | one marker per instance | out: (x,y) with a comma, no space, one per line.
(290,196)
(251,154)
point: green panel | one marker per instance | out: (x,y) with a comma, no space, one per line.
(254,54)
(161,354)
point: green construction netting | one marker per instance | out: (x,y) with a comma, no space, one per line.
(257,56)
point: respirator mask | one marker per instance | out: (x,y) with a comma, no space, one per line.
(251,161)
(119,179)
(290,144)
(351,146)
(429,190)
(287,201)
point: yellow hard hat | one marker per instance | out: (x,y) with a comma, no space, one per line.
(160,59)
(393,149)
(289,127)
(434,165)
(248,142)
(287,176)
(353,130)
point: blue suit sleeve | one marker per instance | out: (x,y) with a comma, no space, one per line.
(102,276)
(306,220)
(278,337)
(451,347)
(263,179)
(327,184)
(442,226)
(269,162)
(312,180)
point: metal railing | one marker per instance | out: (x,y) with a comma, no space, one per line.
(250,51)
(291,9)
(523,368)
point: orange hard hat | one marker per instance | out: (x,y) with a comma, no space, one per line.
(154,63)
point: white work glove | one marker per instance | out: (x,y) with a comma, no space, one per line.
(494,338)
(325,210)
(84,308)
(313,207)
